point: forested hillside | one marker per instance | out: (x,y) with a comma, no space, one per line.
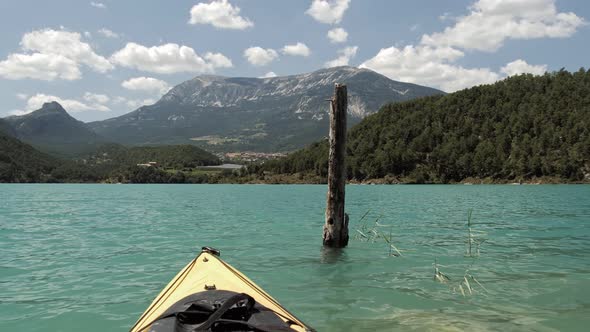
(167,156)
(20,162)
(5,128)
(523,127)
(52,130)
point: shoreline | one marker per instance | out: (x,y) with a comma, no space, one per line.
(381,181)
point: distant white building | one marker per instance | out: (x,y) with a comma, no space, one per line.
(149,164)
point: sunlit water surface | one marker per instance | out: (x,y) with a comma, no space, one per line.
(92,257)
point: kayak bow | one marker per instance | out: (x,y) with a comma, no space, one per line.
(208,276)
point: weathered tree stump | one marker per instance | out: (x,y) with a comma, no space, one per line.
(336,224)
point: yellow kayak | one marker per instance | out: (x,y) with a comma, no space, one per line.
(210,295)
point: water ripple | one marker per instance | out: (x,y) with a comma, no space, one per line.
(94,256)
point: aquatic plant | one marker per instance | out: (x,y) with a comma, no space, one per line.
(467,285)
(464,286)
(371,232)
(438,275)
(473,242)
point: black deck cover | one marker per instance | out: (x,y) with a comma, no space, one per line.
(193,313)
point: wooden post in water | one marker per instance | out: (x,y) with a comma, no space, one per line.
(336,224)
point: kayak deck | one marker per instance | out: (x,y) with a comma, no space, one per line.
(206,272)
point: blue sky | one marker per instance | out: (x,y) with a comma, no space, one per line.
(104,58)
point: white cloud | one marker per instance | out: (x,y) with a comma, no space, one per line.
(146,84)
(167,59)
(67,44)
(520,66)
(96,98)
(137,103)
(22,96)
(259,56)
(345,55)
(71,105)
(328,11)
(337,35)
(491,22)
(270,74)
(39,66)
(133,103)
(52,54)
(108,33)
(488,25)
(17,112)
(218,60)
(220,14)
(98,5)
(428,66)
(299,49)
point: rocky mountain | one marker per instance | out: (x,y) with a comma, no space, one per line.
(53,130)
(260,114)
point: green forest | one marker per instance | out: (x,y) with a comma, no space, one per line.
(21,163)
(167,156)
(522,128)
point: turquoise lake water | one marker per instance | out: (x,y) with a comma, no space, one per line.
(92,257)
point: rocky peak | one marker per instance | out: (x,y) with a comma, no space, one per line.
(53,107)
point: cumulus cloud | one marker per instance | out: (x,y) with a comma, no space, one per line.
(98,5)
(108,33)
(328,11)
(428,66)
(220,14)
(96,98)
(270,74)
(146,84)
(299,49)
(218,60)
(167,59)
(520,66)
(259,56)
(133,103)
(71,105)
(39,66)
(52,54)
(17,112)
(337,35)
(491,22)
(345,55)
(488,25)
(67,44)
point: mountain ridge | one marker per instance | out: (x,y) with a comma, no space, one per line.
(263,114)
(53,130)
